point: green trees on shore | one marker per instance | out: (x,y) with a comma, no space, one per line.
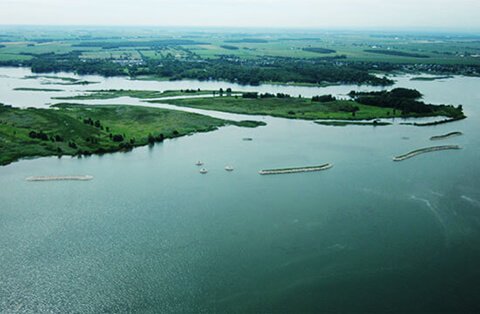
(405,100)
(232,69)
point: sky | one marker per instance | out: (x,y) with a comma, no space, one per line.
(392,14)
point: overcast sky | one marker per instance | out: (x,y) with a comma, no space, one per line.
(457,14)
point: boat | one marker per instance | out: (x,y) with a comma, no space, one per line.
(229,168)
(199,163)
(248,139)
(203,171)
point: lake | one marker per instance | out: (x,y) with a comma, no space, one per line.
(150,234)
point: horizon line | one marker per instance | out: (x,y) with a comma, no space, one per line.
(380,29)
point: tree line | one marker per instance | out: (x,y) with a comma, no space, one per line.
(228,68)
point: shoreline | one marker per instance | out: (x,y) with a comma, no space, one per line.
(98,129)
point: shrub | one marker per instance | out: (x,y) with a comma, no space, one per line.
(117,138)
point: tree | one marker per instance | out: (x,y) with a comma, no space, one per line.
(117,138)
(151,139)
(324,98)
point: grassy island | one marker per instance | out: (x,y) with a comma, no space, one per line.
(141,94)
(71,129)
(362,106)
(292,108)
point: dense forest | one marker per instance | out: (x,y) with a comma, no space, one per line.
(319,50)
(405,100)
(396,53)
(235,70)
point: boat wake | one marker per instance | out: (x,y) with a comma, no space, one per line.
(432,208)
(472,201)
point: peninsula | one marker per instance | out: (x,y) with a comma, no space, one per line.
(76,130)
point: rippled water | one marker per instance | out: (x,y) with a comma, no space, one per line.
(150,234)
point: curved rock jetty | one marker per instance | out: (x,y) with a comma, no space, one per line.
(445,136)
(60,178)
(425,150)
(296,170)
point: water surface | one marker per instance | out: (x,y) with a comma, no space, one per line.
(150,234)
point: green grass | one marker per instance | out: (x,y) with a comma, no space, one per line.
(13,57)
(292,108)
(34,49)
(295,108)
(115,54)
(68,123)
(439,49)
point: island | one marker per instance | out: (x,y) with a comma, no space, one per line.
(399,102)
(144,94)
(79,130)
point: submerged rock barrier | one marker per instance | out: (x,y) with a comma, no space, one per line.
(296,170)
(424,150)
(445,136)
(60,178)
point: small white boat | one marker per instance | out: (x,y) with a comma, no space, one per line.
(203,171)
(229,168)
(199,163)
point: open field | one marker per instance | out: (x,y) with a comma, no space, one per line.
(292,108)
(266,56)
